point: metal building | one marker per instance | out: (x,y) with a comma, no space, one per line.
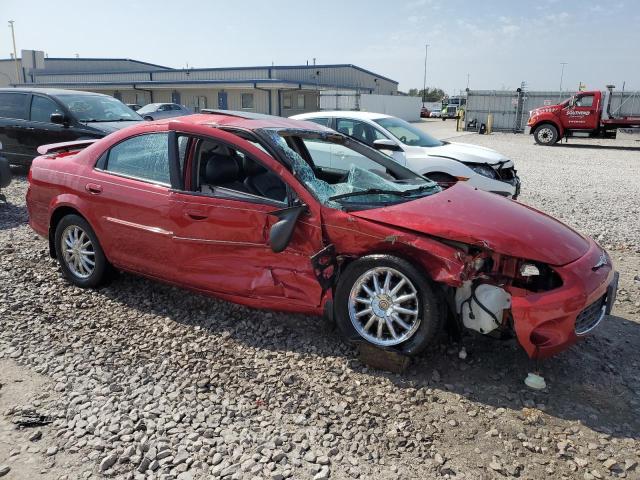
(277,90)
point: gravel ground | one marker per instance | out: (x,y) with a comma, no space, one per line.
(142,380)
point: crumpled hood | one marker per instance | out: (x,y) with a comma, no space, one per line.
(110,127)
(466,153)
(472,216)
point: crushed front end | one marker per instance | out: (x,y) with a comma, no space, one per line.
(549,308)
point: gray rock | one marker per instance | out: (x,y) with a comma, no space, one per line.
(108,462)
(144,465)
(4,469)
(323,474)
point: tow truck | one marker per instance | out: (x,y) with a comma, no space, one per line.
(585,114)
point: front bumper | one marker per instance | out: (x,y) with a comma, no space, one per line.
(507,187)
(547,323)
(527,130)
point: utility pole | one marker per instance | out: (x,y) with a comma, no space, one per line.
(15,53)
(424,83)
(562,75)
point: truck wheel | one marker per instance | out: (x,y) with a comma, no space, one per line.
(386,302)
(546,134)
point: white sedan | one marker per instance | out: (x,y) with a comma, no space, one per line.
(441,161)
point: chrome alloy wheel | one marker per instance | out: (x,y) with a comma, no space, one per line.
(384,307)
(545,135)
(78,252)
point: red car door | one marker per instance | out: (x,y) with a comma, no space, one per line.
(128,194)
(222,227)
(583,115)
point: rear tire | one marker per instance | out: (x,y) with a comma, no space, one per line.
(386,302)
(79,252)
(546,134)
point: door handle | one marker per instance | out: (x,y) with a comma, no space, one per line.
(93,188)
(196,215)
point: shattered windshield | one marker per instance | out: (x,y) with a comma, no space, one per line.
(342,173)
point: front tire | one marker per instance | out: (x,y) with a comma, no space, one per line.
(79,252)
(386,302)
(546,134)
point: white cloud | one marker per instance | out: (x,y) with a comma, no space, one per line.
(509,29)
(557,17)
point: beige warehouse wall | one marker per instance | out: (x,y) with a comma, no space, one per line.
(8,74)
(310,102)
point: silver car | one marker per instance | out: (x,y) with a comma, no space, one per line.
(156,111)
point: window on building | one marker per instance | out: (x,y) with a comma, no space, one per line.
(286,101)
(42,108)
(145,157)
(13,105)
(301,100)
(247,100)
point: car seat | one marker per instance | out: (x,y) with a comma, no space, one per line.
(262,181)
(222,171)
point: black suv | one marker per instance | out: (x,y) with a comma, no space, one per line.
(30,117)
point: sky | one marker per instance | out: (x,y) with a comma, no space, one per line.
(498,44)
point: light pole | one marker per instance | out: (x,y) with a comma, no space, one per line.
(15,54)
(562,75)
(424,83)
(468,75)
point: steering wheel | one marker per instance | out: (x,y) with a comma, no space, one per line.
(403,139)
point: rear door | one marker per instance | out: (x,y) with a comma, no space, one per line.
(14,127)
(221,238)
(129,194)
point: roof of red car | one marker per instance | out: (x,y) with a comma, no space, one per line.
(245,120)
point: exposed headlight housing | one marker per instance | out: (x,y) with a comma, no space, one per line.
(482,169)
(529,270)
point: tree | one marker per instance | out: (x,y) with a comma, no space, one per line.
(432,94)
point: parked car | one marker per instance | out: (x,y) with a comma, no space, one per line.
(237,206)
(30,117)
(441,161)
(156,111)
(5,175)
(435,114)
(424,112)
(134,106)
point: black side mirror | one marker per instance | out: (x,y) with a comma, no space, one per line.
(385,144)
(281,231)
(58,118)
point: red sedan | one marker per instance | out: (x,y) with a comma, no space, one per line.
(288,215)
